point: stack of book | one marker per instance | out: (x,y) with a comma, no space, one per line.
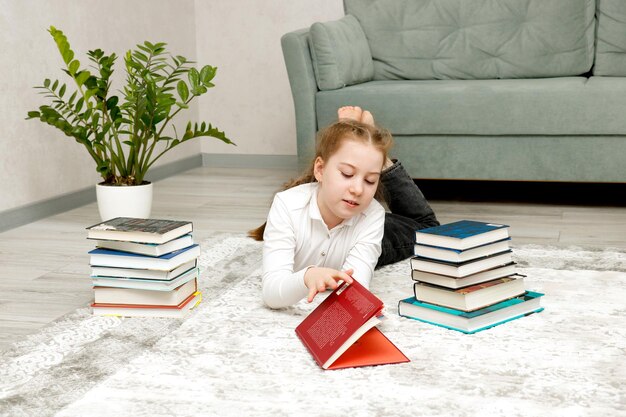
(144,268)
(464,278)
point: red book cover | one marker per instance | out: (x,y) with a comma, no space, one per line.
(340,332)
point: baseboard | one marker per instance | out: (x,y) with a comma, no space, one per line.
(29,213)
(249,161)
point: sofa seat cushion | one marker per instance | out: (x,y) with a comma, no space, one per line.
(550,106)
(477,39)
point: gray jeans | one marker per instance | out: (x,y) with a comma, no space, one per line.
(409,212)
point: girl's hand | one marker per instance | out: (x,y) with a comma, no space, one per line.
(319,279)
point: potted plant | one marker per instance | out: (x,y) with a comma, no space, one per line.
(126,137)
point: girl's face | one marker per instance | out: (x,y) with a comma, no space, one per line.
(348,181)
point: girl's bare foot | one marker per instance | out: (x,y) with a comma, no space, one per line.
(367,118)
(350,112)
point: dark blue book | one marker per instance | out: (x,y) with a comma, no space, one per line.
(458,255)
(461,269)
(167,262)
(473,321)
(462,235)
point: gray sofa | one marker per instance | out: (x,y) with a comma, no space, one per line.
(530,90)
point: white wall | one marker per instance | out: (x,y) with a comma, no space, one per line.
(252,99)
(38,162)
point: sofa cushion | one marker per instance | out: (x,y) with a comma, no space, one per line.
(340,53)
(478,39)
(611,38)
(548,106)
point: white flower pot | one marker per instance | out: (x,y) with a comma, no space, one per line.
(124,201)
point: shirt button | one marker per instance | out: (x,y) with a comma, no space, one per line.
(323,253)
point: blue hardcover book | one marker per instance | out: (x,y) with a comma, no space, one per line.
(474,321)
(167,262)
(462,255)
(462,235)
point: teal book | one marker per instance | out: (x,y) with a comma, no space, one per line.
(462,235)
(474,321)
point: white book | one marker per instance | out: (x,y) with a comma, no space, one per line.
(111,295)
(135,273)
(127,310)
(473,297)
(477,278)
(460,270)
(149,249)
(146,284)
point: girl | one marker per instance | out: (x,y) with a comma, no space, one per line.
(327,227)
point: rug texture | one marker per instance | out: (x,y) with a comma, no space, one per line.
(235,357)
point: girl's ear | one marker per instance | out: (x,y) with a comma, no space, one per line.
(318,168)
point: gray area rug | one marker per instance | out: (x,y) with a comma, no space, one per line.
(233,356)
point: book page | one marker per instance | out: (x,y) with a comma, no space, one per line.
(362,305)
(355,336)
(329,326)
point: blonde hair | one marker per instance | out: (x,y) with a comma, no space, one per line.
(328,142)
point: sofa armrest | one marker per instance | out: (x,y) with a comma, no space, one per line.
(297,56)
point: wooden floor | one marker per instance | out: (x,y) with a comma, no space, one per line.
(44,271)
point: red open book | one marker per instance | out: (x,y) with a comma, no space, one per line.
(341,332)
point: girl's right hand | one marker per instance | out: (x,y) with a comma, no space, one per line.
(319,279)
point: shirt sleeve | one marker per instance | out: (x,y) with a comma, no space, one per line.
(363,256)
(282,286)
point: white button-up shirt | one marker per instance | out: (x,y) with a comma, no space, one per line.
(297,238)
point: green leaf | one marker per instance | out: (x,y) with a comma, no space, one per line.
(46,83)
(91,82)
(82,77)
(73,67)
(79,105)
(182,105)
(54,85)
(140,56)
(112,102)
(33,114)
(207,74)
(183,90)
(89,94)
(62,90)
(194,78)
(68,55)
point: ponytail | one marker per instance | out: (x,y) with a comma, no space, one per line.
(307,177)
